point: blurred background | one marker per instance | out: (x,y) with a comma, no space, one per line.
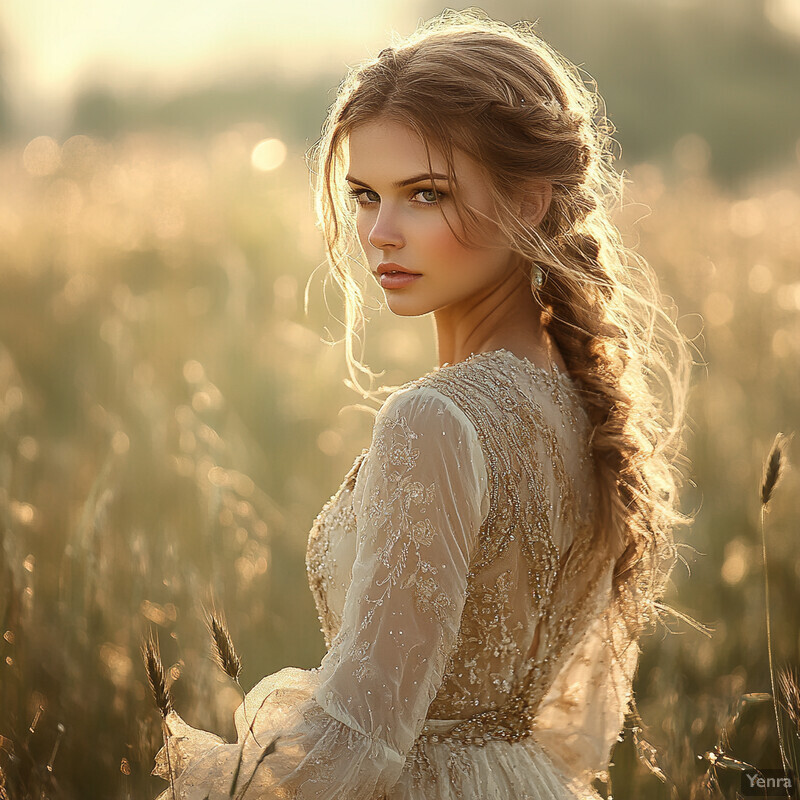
(172,420)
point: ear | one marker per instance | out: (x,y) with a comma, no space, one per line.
(535,201)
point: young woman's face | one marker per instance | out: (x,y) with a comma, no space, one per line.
(400,221)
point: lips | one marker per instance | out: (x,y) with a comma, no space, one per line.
(389,267)
(397,280)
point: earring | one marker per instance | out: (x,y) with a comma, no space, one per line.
(538,276)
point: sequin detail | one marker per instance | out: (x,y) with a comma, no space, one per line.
(534,581)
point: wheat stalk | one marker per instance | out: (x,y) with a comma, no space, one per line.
(224,652)
(790,690)
(156,675)
(270,748)
(157,679)
(774,467)
(773,470)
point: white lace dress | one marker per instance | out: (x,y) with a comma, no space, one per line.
(472,652)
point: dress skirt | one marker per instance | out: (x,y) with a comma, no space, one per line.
(290,748)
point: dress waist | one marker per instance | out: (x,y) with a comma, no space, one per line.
(512,721)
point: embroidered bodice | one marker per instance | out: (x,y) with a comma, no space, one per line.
(496,448)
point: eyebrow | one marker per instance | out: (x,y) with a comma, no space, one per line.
(416,179)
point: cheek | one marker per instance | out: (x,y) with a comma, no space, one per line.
(454,248)
(473,267)
(442,242)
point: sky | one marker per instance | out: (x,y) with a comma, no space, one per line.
(52,46)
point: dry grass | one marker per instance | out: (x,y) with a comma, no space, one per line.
(224,652)
(163,437)
(774,467)
(156,675)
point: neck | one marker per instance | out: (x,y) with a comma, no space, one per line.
(507,317)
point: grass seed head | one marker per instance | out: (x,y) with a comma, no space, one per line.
(224,652)
(773,468)
(156,675)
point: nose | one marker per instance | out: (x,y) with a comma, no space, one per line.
(385,232)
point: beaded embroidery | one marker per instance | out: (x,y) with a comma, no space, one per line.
(490,688)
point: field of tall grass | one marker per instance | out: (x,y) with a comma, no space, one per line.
(171,421)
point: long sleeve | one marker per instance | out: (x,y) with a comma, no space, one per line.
(345,728)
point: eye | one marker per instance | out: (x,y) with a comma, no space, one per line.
(433,198)
(358,194)
(429,196)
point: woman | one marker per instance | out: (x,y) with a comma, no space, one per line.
(486,567)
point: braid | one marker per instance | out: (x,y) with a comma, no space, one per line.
(600,355)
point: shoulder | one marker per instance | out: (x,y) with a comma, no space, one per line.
(469,400)
(421,429)
(472,390)
(422,408)
(423,446)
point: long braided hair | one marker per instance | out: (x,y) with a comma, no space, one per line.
(501,95)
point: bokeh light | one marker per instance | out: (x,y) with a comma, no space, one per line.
(268,155)
(42,156)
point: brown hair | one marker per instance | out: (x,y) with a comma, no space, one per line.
(501,95)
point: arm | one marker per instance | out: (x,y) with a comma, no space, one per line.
(420,497)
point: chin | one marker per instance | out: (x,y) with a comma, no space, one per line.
(406,307)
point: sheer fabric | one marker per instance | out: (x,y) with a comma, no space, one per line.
(465,605)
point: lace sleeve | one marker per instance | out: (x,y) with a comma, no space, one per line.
(583,713)
(345,728)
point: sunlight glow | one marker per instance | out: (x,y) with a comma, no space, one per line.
(784,15)
(268,154)
(168,47)
(42,156)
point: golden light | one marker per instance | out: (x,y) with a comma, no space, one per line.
(784,15)
(268,154)
(789,297)
(79,153)
(782,343)
(760,278)
(25,514)
(193,371)
(736,564)
(692,153)
(42,156)
(330,442)
(28,448)
(120,443)
(748,217)
(718,308)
